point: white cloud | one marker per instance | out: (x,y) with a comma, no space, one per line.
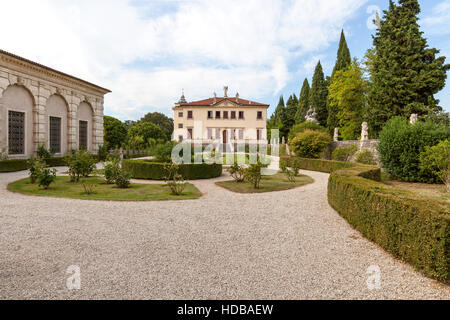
(439,22)
(145,53)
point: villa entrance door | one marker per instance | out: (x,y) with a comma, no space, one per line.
(225,136)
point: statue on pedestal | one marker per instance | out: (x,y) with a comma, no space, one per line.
(311,116)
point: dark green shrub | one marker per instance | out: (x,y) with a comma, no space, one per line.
(115,133)
(237,172)
(152,170)
(344,153)
(146,130)
(46,177)
(402,143)
(81,164)
(253,174)
(43,153)
(310,144)
(102,153)
(123,178)
(36,166)
(366,157)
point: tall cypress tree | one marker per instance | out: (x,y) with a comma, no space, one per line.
(406,73)
(303,103)
(319,94)
(343,62)
(279,111)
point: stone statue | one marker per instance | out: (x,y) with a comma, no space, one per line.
(336,134)
(365,132)
(311,115)
(414,118)
(225,92)
(283,141)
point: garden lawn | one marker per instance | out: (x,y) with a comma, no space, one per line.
(278,182)
(63,188)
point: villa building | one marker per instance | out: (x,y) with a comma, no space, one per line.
(224,119)
(40,105)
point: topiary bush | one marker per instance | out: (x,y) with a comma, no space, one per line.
(366,157)
(310,144)
(436,160)
(344,153)
(401,144)
(302,127)
(153,170)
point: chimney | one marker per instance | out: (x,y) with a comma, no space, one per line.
(237,97)
(225,92)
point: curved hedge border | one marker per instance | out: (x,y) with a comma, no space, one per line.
(22,164)
(414,230)
(146,169)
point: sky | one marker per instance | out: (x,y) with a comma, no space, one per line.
(148,51)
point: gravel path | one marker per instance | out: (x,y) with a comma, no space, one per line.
(283,245)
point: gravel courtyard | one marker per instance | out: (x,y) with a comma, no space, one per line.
(283,245)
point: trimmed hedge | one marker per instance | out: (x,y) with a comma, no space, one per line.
(414,230)
(22,164)
(150,170)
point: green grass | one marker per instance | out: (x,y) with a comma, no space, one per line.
(63,188)
(278,182)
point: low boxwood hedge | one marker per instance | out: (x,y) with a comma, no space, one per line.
(414,230)
(22,164)
(150,170)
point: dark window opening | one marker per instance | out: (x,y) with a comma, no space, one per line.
(83,135)
(225,114)
(16,132)
(180,114)
(241,115)
(217,114)
(210,114)
(190,115)
(180,126)
(233,115)
(260,115)
(55,135)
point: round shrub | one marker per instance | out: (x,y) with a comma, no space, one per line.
(310,144)
(302,127)
(401,144)
(151,170)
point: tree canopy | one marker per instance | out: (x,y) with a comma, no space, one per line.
(160,120)
(115,132)
(319,93)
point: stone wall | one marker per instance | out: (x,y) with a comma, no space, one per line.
(42,83)
(370,145)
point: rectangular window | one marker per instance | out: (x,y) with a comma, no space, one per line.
(83,135)
(190,115)
(260,115)
(180,126)
(217,114)
(210,134)
(190,134)
(225,114)
(259,134)
(210,115)
(241,134)
(16,132)
(241,115)
(180,114)
(217,133)
(55,134)
(233,115)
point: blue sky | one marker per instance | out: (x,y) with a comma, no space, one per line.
(147,51)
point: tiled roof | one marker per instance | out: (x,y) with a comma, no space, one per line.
(210,102)
(50,69)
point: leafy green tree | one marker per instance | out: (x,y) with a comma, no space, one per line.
(343,62)
(115,132)
(146,130)
(436,159)
(161,120)
(303,103)
(288,117)
(347,97)
(319,93)
(406,73)
(275,121)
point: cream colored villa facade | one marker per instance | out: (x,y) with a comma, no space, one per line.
(223,119)
(40,105)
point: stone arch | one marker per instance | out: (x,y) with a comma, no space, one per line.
(17,98)
(58,107)
(85,112)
